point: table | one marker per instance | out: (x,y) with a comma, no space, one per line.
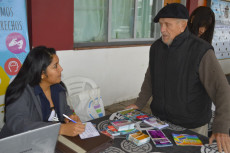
(121,145)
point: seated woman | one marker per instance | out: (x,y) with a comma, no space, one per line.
(202,22)
(36,96)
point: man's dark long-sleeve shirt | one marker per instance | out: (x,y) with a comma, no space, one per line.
(216,85)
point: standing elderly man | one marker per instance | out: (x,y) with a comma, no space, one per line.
(184,77)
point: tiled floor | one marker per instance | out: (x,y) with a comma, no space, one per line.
(121,105)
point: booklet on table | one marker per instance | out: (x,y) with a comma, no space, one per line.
(186,140)
(159,138)
(156,123)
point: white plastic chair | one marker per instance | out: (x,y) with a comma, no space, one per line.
(77,84)
(84,97)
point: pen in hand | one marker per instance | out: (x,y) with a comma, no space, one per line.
(69,118)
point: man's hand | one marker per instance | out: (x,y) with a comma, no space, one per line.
(132,106)
(223,141)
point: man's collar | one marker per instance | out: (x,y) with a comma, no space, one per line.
(179,38)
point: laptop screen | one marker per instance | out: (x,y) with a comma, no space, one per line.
(38,140)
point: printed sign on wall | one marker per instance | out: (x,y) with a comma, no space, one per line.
(221,37)
(14,43)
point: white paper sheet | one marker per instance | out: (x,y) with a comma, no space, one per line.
(90,131)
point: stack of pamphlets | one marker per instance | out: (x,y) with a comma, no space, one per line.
(122,125)
(105,132)
(186,140)
(128,131)
(156,123)
(142,117)
(112,130)
(138,138)
(159,138)
(133,114)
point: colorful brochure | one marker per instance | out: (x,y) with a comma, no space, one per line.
(156,123)
(186,140)
(133,114)
(159,138)
(122,125)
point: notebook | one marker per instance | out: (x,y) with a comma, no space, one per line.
(38,140)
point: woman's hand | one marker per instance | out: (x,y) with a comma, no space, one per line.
(73,117)
(72,129)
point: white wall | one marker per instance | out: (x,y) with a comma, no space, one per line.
(119,72)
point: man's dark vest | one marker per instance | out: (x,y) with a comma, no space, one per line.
(178,94)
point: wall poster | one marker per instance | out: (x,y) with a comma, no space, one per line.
(14,43)
(221,37)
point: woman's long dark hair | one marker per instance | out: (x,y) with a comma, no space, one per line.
(202,17)
(36,62)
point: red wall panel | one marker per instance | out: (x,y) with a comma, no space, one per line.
(191,5)
(52,23)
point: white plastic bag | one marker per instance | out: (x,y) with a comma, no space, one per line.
(87,104)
